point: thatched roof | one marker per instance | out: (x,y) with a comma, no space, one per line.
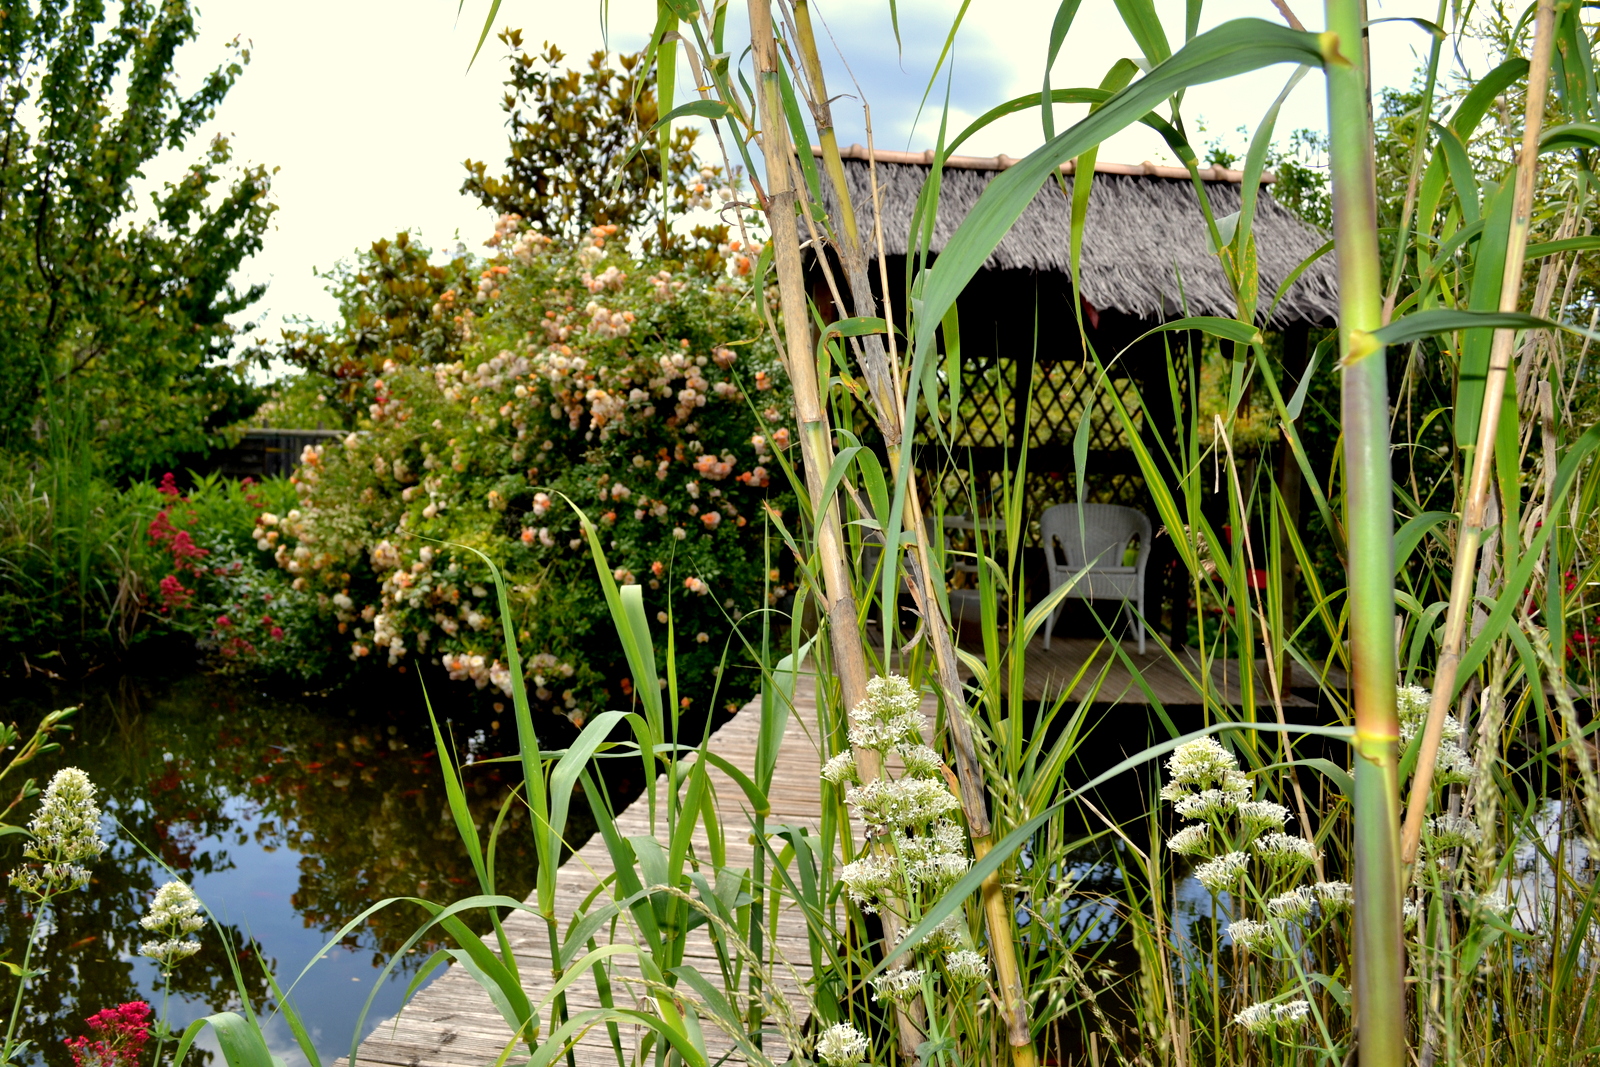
(1145,252)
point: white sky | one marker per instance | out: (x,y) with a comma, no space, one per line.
(368,109)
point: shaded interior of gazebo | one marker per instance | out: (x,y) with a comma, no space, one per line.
(1145,260)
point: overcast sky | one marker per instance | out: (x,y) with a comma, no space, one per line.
(368,108)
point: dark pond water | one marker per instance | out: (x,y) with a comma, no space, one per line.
(288,817)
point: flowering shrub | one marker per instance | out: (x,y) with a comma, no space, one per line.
(641,391)
(246,614)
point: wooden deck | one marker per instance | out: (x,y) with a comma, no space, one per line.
(1170,681)
(451,1022)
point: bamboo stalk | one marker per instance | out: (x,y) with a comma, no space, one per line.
(1379,947)
(1494,389)
(882,371)
(816,444)
(844,631)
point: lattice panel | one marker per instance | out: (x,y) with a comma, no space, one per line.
(1060,394)
(988,411)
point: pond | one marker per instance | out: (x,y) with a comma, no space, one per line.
(288,817)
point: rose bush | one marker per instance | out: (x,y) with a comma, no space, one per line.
(643,391)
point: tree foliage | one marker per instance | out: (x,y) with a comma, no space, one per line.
(395,304)
(573,134)
(113,325)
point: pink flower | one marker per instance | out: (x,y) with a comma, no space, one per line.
(122,1032)
(223,622)
(168,488)
(173,594)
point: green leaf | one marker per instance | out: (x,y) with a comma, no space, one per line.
(1570,244)
(1407,536)
(241,1041)
(1233,48)
(1421,324)
(704,109)
(1579,135)
(1142,22)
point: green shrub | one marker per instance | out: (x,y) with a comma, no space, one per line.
(642,391)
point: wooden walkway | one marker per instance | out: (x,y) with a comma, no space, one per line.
(451,1022)
(1049,670)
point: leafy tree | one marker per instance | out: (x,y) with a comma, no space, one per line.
(395,304)
(113,328)
(573,134)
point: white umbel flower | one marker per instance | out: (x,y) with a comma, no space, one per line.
(965,965)
(1335,896)
(920,760)
(899,986)
(65,836)
(169,953)
(1295,904)
(901,803)
(1253,936)
(1259,816)
(866,879)
(1267,1018)
(1210,803)
(1201,763)
(890,715)
(175,906)
(842,1045)
(176,913)
(1223,872)
(841,770)
(1191,840)
(1286,850)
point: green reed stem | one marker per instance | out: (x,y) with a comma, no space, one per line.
(1379,956)
(22,986)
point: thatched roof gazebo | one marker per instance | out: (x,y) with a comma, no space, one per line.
(1146,259)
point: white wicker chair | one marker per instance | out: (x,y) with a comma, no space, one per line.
(1096,536)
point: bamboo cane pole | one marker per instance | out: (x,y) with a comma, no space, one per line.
(1494,389)
(882,371)
(1379,947)
(816,444)
(844,631)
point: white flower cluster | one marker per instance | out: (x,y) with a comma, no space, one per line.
(1286,851)
(1453,831)
(176,913)
(899,986)
(1265,1019)
(842,1045)
(1222,873)
(891,715)
(65,836)
(1252,935)
(901,803)
(1452,766)
(964,965)
(919,848)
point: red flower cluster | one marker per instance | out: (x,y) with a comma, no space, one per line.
(121,1033)
(173,594)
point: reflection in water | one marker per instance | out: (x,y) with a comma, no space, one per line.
(288,819)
